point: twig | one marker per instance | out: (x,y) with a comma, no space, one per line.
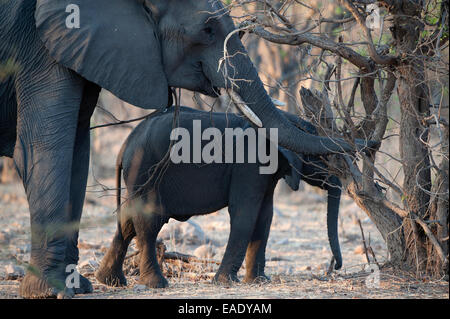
(132,255)
(331,266)
(374,257)
(173,255)
(431,236)
(364,241)
(126,121)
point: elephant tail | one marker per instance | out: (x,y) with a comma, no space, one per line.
(119,177)
(334,196)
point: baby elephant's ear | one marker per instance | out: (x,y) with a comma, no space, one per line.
(112,43)
(293,175)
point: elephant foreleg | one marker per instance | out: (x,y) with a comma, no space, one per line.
(244,208)
(255,259)
(80,169)
(48,106)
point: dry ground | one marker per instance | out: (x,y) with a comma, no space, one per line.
(298,253)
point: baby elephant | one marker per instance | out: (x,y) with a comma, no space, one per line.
(160,189)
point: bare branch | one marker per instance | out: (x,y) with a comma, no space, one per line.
(389,60)
(379,115)
(321,42)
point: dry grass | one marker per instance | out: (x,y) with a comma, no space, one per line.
(297,253)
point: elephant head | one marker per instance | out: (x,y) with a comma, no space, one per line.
(313,170)
(138,48)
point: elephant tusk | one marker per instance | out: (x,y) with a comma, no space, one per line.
(278,102)
(244,108)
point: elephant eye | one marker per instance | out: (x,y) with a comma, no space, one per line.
(209,33)
(208,30)
(206,36)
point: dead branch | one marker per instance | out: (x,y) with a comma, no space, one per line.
(383,60)
(321,42)
(364,241)
(432,238)
(187,258)
(379,115)
(125,121)
(173,256)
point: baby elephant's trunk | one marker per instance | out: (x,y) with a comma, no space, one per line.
(334,196)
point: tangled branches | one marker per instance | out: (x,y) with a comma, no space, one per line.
(387,48)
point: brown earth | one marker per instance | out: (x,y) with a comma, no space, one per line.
(298,253)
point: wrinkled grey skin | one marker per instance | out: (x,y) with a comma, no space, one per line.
(136,49)
(187,189)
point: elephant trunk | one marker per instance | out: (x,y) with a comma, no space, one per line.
(334,196)
(251,91)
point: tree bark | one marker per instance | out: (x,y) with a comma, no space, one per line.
(439,210)
(414,105)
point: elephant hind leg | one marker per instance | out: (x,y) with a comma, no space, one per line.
(110,271)
(147,222)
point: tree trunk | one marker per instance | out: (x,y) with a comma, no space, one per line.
(414,104)
(439,212)
(385,219)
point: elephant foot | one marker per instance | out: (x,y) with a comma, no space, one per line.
(33,287)
(85,286)
(225,279)
(154,281)
(260,279)
(112,278)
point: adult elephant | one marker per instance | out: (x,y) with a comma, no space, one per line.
(133,48)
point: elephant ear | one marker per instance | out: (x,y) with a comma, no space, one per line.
(293,174)
(115,46)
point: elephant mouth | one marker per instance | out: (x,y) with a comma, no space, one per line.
(207,88)
(210,90)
